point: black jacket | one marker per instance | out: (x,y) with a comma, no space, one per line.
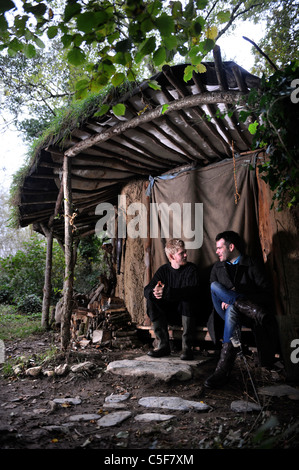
(248,279)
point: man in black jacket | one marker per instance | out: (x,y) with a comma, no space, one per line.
(173,293)
(241,295)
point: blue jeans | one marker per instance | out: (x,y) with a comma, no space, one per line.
(230,316)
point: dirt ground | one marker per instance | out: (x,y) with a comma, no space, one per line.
(30,420)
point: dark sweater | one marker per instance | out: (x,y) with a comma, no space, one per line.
(180,284)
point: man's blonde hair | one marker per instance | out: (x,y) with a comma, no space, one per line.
(173,245)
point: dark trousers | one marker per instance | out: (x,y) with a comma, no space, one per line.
(170,312)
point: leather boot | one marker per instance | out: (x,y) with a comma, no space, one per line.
(223,368)
(187,338)
(252,311)
(161,333)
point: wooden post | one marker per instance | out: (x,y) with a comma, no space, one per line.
(147,250)
(48,275)
(68,244)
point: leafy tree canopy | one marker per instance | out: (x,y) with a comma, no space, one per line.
(109,39)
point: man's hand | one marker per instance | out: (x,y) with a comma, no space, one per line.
(158,290)
(224,306)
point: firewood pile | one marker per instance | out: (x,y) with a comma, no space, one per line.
(104,322)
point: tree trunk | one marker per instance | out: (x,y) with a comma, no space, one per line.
(48,275)
(68,252)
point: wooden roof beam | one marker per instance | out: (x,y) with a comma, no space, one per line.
(183,92)
(182,155)
(190,101)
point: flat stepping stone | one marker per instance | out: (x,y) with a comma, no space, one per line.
(241,406)
(69,401)
(84,417)
(166,371)
(117,398)
(175,360)
(112,419)
(148,417)
(173,403)
(279,391)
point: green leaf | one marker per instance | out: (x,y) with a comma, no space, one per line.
(118,79)
(6,5)
(123,46)
(76,56)
(170,42)
(188,72)
(3,24)
(66,40)
(253,127)
(119,109)
(148,46)
(223,16)
(165,24)
(71,10)
(201,68)
(87,22)
(208,45)
(165,107)
(29,51)
(131,76)
(38,42)
(81,84)
(147,25)
(103,110)
(159,56)
(52,32)
(37,10)
(15,45)
(154,84)
(201,4)
(176,9)
(101,17)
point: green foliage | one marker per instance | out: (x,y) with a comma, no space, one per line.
(91,264)
(14,325)
(107,40)
(275,129)
(22,275)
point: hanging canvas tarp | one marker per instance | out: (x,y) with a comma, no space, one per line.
(219,197)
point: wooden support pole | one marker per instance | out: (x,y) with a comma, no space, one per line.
(68,246)
(48,276)
(147,250)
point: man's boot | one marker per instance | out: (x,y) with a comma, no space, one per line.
(187,337)
(224,367)
(252,311)
(161,333)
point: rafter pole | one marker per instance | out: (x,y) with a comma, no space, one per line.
(231,97)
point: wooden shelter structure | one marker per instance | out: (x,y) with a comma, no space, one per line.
(180,126)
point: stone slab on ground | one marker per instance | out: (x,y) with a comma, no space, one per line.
(170,367)
(175,359)
(148,417)
(173,403)
(137,368)
(112,419)
(242,406)
(280,390)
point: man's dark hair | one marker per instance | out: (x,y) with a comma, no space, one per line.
(232,237)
